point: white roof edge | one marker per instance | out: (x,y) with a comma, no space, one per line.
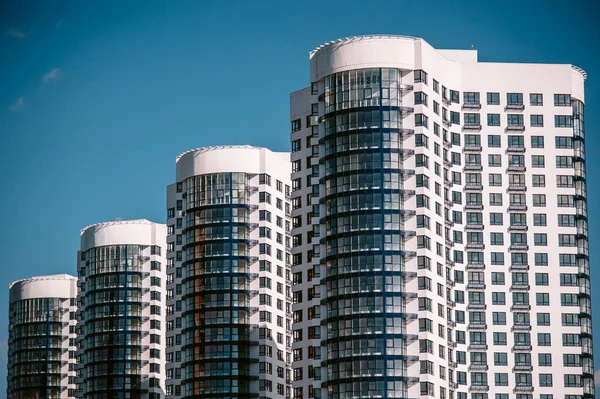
(63,276)
(219,147)
(580,70)
(116,222)
(362,37)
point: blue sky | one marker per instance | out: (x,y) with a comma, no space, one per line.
(98,98)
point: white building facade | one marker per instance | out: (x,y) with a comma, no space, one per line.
(41,337)
(228,276)
(121,310)
(439,226)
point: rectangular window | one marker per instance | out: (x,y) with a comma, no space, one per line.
(537,161)
(493,119)
(421,120)
(420,98)
(494,141)
(493,98)
(563,121)
(296,125)
(536,99)
(537,120)
(515,120)
(420,76)
(563,142)
(562,100)
(537,141)
(494,160)
(514,99)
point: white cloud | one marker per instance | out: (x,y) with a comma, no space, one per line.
(52,75)
(15,33)
(18,104)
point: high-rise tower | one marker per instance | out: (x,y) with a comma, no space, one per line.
(41,341)
(228,277)
(121,315)
(439,226)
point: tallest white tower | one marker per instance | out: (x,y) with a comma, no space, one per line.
(440,243)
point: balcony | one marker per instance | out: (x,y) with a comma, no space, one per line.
(520,306)
(479,388)
(521,327)
(515,128)
(446,122)
(476,285)
(514,107)
(474,226)
(519,287)
(473,167)
(448,183)
(478,367)
(516,188)
(522,367)
(450,303)
(516,207)
(476,306)
(522,347)
(471,128)
(518,247)
(474,207)
(472,148)
(473,187)
(475,266)
(477,347)
(517,227)
(516,168)
(515,150)
(476,326)
(446,101)
(523,389)
(475,245)
(471,106)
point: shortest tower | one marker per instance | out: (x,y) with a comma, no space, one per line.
(120,337)
(41,337)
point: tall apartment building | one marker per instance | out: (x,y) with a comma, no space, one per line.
(228,282)
(121,315)
(440,241)
(41,337)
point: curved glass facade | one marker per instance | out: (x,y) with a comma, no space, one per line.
(217,296)
(36,347)
(113,320)
(365,235)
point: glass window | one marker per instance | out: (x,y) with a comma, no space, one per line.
(494,141)
(536,120)
(537,141)
(493,98)
(536,99)
(562,100)
(420,76)
(471,98)
(493,119)
(514,99)
(514,120)
(563,121)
